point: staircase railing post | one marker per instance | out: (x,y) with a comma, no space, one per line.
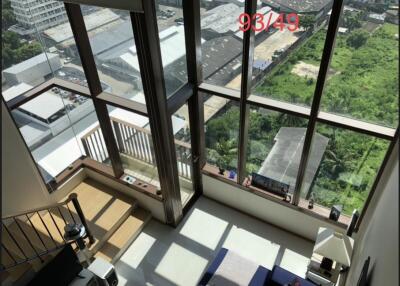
(77,206)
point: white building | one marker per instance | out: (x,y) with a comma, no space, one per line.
(377,18)
(37,15)
(32,71)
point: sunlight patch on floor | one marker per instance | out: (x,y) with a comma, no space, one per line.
(181,266)
(252,247)
(204,228)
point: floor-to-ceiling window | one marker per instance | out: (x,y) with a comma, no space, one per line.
(303,95)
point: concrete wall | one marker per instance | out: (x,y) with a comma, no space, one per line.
(378,236)
(269,211)
(22,186)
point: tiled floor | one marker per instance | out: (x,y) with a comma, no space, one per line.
(162,255)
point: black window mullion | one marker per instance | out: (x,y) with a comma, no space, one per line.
(322,75)
(250,8)
(191,16)
(81,37)
(149,55)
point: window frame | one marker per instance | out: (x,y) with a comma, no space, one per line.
(159,108)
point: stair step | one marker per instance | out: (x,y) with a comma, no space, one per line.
(124,235)
(51,226)
(14,275)
(104,209)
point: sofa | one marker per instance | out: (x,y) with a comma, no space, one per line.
(259,275)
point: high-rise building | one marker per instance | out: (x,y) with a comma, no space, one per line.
(37,15)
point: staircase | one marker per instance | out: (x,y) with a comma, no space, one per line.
(31,239)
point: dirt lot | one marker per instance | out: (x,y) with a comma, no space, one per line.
(308,70)
(370,27)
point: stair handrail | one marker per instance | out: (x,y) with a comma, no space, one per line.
(43,208)
(73,198)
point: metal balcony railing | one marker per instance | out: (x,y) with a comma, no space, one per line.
(136,142)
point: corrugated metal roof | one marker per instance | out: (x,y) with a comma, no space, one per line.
(63,32)
(282,162)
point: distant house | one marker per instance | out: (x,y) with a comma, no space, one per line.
(315,7)
(282,162)
(376,18)
(392,16)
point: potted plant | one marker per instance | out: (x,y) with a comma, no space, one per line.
(222,164)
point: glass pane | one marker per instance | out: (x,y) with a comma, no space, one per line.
(345,169)
(24,63)
(288,49)
(181,127)
(113,46)
(61,133)
(221,117)
(133,136)
(364,80)
(172,44)
(59,40)
(222,46)
(275,146)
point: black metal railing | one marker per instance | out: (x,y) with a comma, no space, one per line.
(33,234)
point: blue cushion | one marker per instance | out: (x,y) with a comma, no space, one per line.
(260,278)
(282,277)
(213,267)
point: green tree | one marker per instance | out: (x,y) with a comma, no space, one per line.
(28,51)
(227,150)
(11,39)
(7,16)
(307,21)
(352,21)
(357,39)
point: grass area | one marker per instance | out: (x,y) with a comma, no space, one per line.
(364,87)
(348,168)
(367,86)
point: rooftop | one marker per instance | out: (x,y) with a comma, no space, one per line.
(63,32)
(299,5)
(51,101)
(222,19)
(15,90)
(32,62)
(219,52)
(282,162)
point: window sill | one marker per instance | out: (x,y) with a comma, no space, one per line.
(106,171)
(318,212)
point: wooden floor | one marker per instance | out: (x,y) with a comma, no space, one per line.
(114,219)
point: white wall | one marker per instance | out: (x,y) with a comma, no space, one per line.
(269,211)
(22,186)
(378,236)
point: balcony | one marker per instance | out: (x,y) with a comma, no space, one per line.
(136,148)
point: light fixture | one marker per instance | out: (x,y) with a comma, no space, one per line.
(334,245)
